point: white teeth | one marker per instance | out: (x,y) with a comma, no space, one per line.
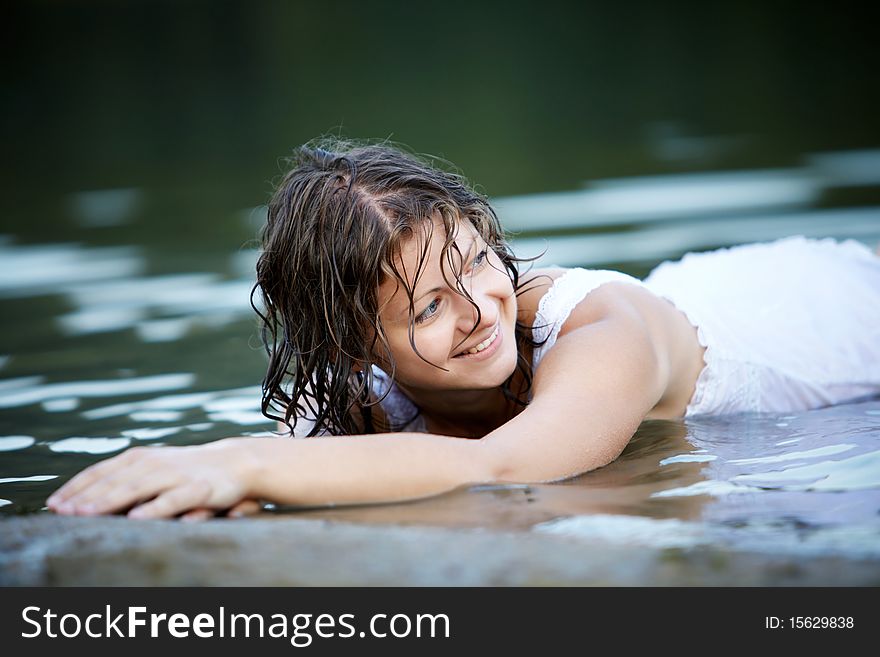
(485,343)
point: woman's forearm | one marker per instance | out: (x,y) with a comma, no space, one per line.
(361,469)
(167,481)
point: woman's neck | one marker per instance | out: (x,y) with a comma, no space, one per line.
(467,416)
(466,413)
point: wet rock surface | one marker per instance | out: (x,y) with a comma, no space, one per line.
(281,550)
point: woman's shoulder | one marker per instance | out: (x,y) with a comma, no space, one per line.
(588,296)
(568,298)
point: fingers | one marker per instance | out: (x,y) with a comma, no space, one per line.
(197,514)
(88,477)
(118,491)
(240,510)
(157,483)
(245,508)
(173,501)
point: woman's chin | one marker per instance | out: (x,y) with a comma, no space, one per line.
(485,376)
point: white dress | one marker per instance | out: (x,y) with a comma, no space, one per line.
(788,325)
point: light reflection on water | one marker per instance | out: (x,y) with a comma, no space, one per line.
(30,270)
(139,357)
(658,199)
(657,494)
(23,392)
(9,443)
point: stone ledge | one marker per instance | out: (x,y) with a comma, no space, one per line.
(49,550)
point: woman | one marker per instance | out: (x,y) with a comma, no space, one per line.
(399,328)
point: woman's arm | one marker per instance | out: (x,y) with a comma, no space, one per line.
(609,367)
(361,469)
(167,481)
(592,390)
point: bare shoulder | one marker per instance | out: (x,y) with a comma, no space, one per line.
(611,298)
(672,338)
(621,298)
(633,310)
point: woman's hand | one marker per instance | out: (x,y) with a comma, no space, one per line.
(240,510)
(161,482)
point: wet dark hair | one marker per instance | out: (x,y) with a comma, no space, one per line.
(336,224)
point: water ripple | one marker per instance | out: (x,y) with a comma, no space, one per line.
(855,473)
(89,445)
(22,396)
(9,443)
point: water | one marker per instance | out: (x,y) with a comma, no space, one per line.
(132,198)
(793,484)
(110,349)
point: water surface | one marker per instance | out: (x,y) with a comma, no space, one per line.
(112,346)
(142,140)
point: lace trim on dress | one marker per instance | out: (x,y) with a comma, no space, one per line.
(733,382)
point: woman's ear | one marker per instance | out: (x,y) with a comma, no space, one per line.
(357,368)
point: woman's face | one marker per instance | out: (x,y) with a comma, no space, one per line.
(444,319)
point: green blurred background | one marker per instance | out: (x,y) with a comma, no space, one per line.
(199,99)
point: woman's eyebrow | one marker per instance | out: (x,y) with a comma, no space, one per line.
(469,251)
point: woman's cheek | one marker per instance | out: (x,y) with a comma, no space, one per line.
(434,342)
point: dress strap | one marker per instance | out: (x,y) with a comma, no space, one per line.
(557,303)
(401,413)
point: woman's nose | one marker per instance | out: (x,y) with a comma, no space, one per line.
(476,316)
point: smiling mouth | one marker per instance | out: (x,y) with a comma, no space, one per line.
(485,344)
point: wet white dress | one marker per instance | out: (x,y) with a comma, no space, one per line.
(788,325)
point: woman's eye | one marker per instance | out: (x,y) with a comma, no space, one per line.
(480,258)
(429,311)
